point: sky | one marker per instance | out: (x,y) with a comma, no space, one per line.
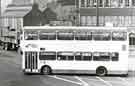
(4,3)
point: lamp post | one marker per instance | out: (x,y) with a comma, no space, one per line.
(97,12)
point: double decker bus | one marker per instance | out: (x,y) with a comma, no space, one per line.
(98,50)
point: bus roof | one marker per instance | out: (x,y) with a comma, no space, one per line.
(72,28)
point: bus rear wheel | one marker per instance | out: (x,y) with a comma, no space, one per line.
(101,71)
(46,70)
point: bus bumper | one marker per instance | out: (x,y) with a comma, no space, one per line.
(31,71)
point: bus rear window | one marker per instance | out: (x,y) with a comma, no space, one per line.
(101,36)
(47,55)
(83,36)
(115,56)
(47,36)
(78,56)
(101,56)
(65,35)
(31,36)
(65,56)
(117,36)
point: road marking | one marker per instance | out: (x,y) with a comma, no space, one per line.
(106,82)
(124,80)
(92,79)
(65,80)
(117,82)
(83,82)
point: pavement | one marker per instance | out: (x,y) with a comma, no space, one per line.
(12,75)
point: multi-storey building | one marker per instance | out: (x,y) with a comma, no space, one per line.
(118,12)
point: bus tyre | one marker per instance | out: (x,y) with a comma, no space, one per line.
(101,71)
(46,70)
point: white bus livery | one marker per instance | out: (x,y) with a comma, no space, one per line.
(99,50)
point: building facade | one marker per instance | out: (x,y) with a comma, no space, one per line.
(118,12)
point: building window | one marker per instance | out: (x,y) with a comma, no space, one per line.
(133,2)
(115,21)
(94,3)
(121,4)
(94,20)
(89,3)
(114,3)
(89,20)
(107,19)
(127,21)
(121,21)
(127,4)
(101,20)
(106,3)
(82,3)
(100,3)
(83,20)
(133,20)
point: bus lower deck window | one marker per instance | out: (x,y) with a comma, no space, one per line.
(101,56)
(47,56)
(65,56)
(83,56)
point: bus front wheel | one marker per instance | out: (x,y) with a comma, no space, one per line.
(46,70)
(101,71)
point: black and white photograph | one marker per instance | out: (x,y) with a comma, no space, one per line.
(67,42)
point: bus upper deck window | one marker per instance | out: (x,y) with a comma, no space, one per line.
(83,36)
(47,36)
(31,36)
(65,35)
(101,36)
(116,36)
